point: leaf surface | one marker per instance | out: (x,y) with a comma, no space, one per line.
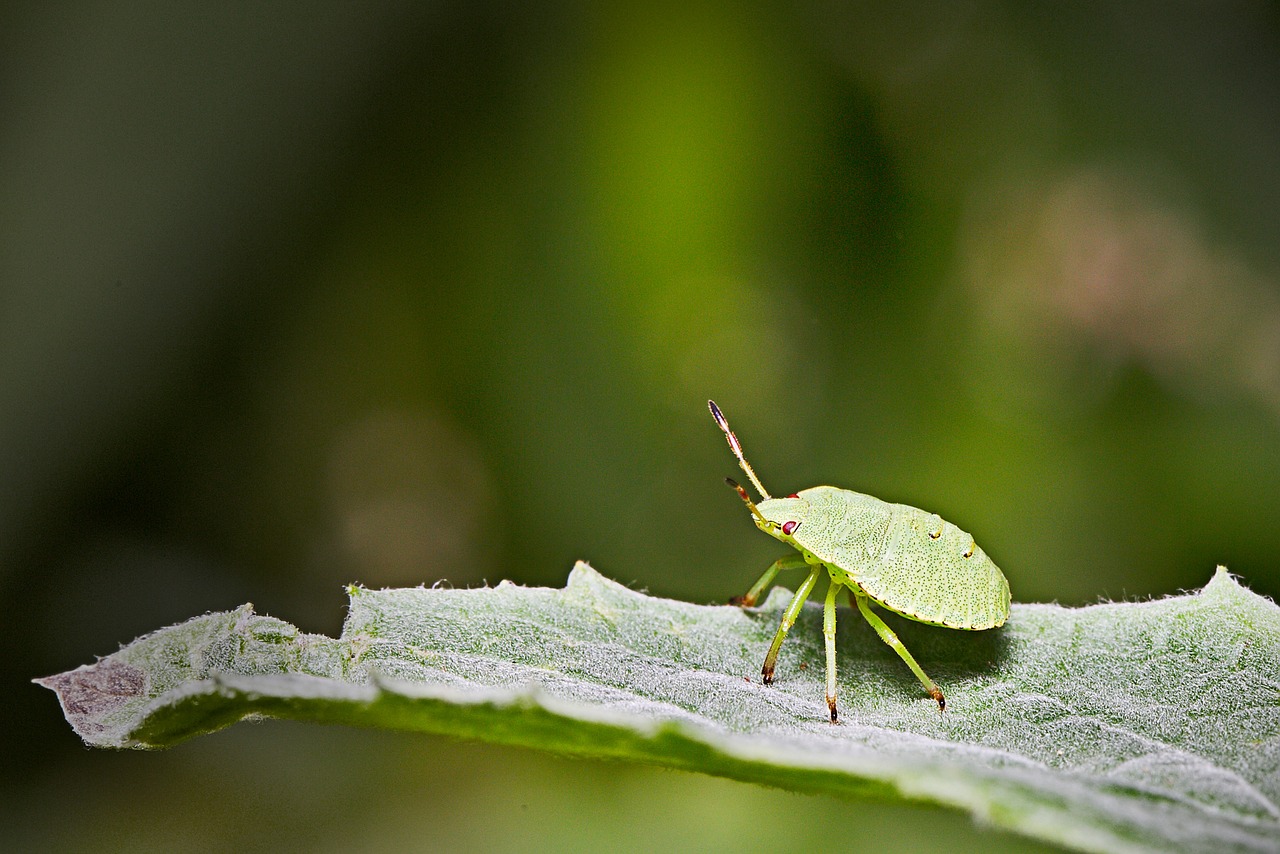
(1149,726)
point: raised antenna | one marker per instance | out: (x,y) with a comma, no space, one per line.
(737,452)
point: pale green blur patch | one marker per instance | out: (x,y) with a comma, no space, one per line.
(1135,726)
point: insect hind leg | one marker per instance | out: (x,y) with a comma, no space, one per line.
(886,634)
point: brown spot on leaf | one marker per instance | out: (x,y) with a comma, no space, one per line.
(87,693)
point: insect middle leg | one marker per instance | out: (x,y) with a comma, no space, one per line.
(795,560)
(789,620)
(886,634)
(829,636)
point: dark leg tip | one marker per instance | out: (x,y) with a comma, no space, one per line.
(942,701)
(767,675)
(743,601)
(833,713)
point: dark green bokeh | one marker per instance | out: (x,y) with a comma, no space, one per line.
(298,297)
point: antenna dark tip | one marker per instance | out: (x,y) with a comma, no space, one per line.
(718,415)
(751,505)
(742,493)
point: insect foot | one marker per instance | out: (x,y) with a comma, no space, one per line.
(936,694)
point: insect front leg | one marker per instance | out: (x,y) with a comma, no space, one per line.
(829,636)
(794,560)
(886,634)
(788,620)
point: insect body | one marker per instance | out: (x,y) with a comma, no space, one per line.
(892,555)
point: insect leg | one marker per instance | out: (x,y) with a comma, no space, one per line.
(791,561)
(788,620)
(886,634)
(829,635)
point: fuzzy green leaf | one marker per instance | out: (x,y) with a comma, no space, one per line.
(1149,726)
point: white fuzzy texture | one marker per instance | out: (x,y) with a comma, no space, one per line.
(1148,726)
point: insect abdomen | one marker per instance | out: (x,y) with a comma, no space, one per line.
(934,572)
(913,562)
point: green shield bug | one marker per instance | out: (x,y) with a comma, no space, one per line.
(892,555)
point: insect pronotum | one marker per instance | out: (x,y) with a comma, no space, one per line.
(892,555)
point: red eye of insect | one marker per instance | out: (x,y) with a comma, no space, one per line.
(793,495)
(789,528)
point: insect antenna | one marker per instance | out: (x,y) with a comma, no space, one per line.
(737,452)
(751,505)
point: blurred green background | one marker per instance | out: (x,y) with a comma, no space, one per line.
(293,295)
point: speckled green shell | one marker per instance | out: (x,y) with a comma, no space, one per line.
(909,561)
